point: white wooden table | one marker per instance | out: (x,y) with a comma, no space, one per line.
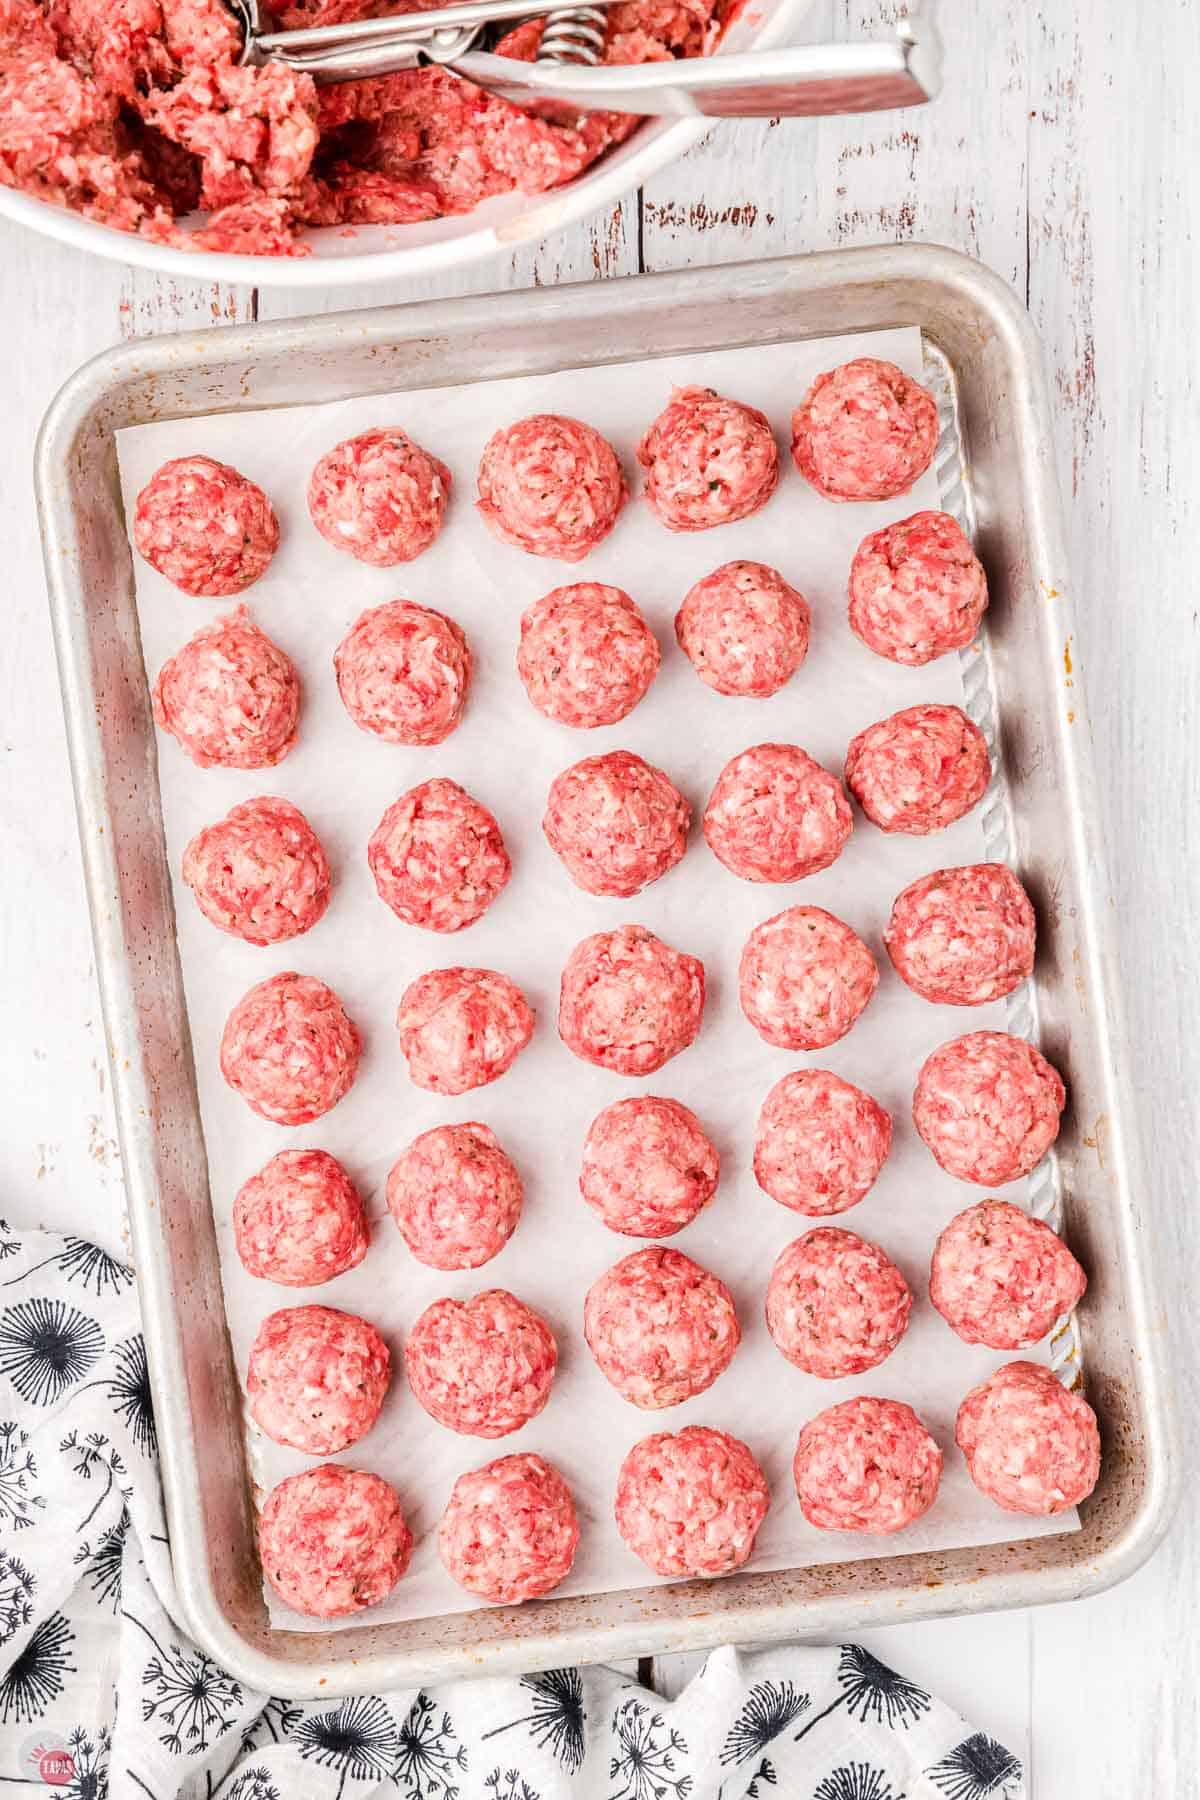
(1059,154)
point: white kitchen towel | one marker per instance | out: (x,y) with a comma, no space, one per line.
(101,1694)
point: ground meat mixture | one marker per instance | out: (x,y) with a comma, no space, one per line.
(509,1531)
(230,697)
(988,1106)
(300,1220)
(744,629)
(1031,1444)
(587,656)
(776,815)
(691,1502)
(629,1002)
(648,1167)
(1001,1278)
(550,485)
(820,1143)
(438,857)
(403,671)
(317,1378)
(708,461)
(962,937)
(920,770)
(917,589)
(333,1540)
(618,823)
(456,1196)
(379,497)
(836,1305)
(804,978)
(462,1028)
(660,1327)
(864,431)
(205,527)
(866,1465)
(260,872)
(482,1366)
(289,1049)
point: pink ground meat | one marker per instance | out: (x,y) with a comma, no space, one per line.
(776,815)
(455,1196)
(866,1465)
(260,872)
(205,527)
(230,697)
(691,1502)
(289,1049)
(617,823)
(550,485)
(648,1168)
(820,1143)
(587,656)
(509,1531)
(804,978)
(403,671)
(1031,1444)
(300,1220)
(379,497)
(836,1305)
(317,1378)
(744,629)
(1001,1278)
(919,770)
(708,461)
(629,1002)
(660,1327)
(482,1366)
(864,431)
(988,1106)
(917,590)
(462,1028)
(438,857)
(333,1541)
(962,937)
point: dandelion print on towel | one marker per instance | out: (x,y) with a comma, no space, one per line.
(277,1720)
(19,1499)
(35,1679)
(358,1738)
(85,1263)
(129,1392)
(856,1781)
(103,1564)
(430,1754)
(45,1347)
(646,1766)
(187,1694)
(872,1692)
(556,1718)
(253,1784)
(976,1769)
(17,1587)
(96,1457)
(768,1709)
(508,1784)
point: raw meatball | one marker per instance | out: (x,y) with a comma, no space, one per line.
(1031,1445)
(648,1167)
(289,1049)
(660,1327)
(403,672)
(438,857)
(804,978)
(744,629)
(260,872)
(461,1028)
(864,431)
(920,770)
(776,815)
(230,697)
(961,937)
(866,1465)
(205,527)
(820,1143)
(481,1366)
(317,1378)
(628,1002)
(379,496)
(708,460)
(550,485)
(586,655)
(333,1540)
(509,1531)
(691,1502)
(917,589)
(988,1106)
(300,1220)
(455,1196)
(836,1305)
(618,823)
(1001,1278)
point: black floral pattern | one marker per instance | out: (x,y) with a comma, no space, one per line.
(358,1738)
(17,1587)
(9,1245)
(872,1691)
(855,1781)
(89,1755)
(646,1765)
(85,1263)
(187,1694)
(277,1720)
(430,1754)
(35,1678)
(45,1347)
(103,1563)
(19,1499)
(557,1720)
(768,1709)
(509,1784)
(977,1767)
(252,1784)
(129,1392)
(96,1457)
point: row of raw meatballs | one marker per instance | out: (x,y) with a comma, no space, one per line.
(548,484)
